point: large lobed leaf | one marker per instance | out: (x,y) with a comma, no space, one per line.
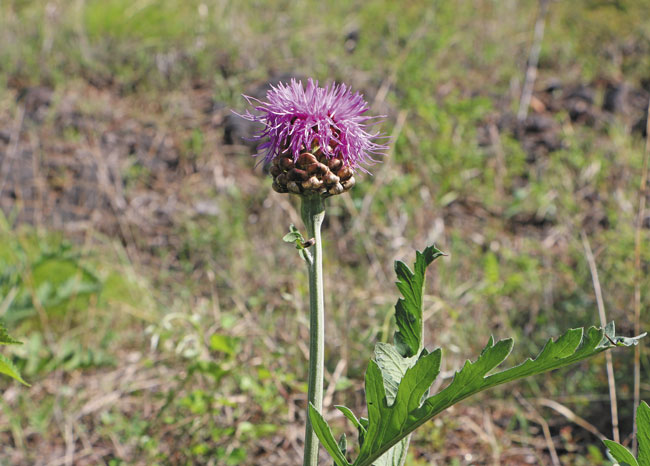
(393,361)
(621,454)
(398,379)
(408,310)
(389,424)
(393,369)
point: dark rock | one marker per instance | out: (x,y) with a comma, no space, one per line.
(238,131)
(615,97)
(351,41)
(641,126)
(581,92)
(645,84)
(553,86)
(36,101)
(538,124)
(637,100)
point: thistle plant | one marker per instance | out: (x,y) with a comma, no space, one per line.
(316,140)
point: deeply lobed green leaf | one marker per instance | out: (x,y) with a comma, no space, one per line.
(394,360)
(398,379)
(408,310)
(389,424)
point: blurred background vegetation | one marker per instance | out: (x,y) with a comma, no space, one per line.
(141,259)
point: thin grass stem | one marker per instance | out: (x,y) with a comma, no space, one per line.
(611,381)
(643,194)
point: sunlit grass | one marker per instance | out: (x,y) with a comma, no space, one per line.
(227,295)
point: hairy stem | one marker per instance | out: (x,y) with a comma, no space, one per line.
(313,213)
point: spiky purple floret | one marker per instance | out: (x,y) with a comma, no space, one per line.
(296,118)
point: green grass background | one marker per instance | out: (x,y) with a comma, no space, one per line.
(194,352)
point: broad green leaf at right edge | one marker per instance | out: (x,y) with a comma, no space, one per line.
(621,454)
(643,433)
(399,377)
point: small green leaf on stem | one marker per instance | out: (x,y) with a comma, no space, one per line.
(324,433)
(294,236)
(343,444)
(610,335)
(347,412)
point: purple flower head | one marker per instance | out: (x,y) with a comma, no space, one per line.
(297,119)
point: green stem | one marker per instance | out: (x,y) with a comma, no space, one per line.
(313,213)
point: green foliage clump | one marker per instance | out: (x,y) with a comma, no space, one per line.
(398,379)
